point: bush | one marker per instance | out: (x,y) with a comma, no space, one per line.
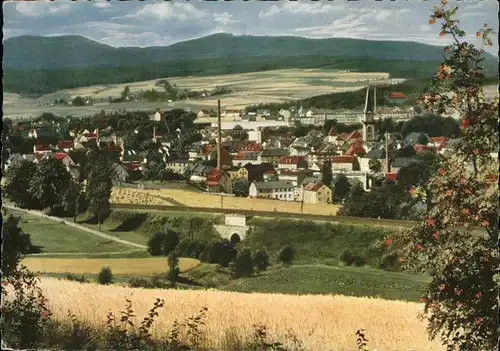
(242,265)
(170,242)
(76,278)
(105,276)
(351,259)
(220,252)
(286,255)
(155,244)
(140,283)
(390,262)
(261,260)
(189,248)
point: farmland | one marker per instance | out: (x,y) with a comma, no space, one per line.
(194,199)
(247,89)
(321,322)
(119,266)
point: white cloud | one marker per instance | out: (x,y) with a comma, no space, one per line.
(102,5)
(169,11)
(223,19)
(301,8)
(35,9)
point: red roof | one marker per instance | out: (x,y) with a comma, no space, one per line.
(397,96)
(293,160)
(313,186)
(343,159)
(112,149)
(290,172)
(59,155)
(41,147)
(65,144)
(90,135)
(214,176)
(331,132)
(354,135)
(419,148)
(392,176)
(271,171)
(207,149)
(355,148)
(250,146)
(131,166)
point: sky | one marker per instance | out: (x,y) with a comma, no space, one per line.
(160,23)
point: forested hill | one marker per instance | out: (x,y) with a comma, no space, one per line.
(37,65)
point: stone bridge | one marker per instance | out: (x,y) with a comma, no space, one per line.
(232,232)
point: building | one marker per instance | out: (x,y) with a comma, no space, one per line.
(156,117)
(245,157)
(199,173)
(396,98)
(401,162)
(346,162)
(315,192)
(292,162)
(295,177)
(255,172)
(273,156)
(272,190)
(218,181)
(238,173)
(178,166)
(255,135)
(65,145)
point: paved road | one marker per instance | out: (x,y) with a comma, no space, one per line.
(78,226)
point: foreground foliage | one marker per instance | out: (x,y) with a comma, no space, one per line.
(457,242)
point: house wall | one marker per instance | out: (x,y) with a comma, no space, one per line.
(344,166)
(235,220)
(255,135)
(252,191)
(291,166)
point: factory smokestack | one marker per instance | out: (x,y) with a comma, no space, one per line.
(219,136)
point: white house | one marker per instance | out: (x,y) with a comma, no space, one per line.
(272,190)
(156,117)
(255,135)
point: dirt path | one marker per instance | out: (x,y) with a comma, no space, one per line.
(78,226)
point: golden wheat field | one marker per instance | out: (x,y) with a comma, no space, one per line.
(193,199)
(125,266)
(320,322)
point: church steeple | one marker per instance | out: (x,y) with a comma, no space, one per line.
(369,116)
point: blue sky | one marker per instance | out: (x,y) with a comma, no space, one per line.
(157,23)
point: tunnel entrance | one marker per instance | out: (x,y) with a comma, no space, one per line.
(235,238)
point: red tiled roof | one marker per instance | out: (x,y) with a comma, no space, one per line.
(112,149)
(332,132)
(313,186)
(215,175)
(65,144)
(419,148)
(397,96)
(90,135)
(289,172)
(343,159)
(392,176)
(355,148)
(354,135)
(438,139)
(271,171)
(290,160)
(59,155)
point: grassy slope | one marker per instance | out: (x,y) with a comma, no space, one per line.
(54,237)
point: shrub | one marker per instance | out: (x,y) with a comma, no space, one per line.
(155,244)
(76,278)
(189,248)
(220,252)
(351,259)
(105,276)
(286,255)
(242,265)
(390,262)
(170,242)
(261,260)
(25,315)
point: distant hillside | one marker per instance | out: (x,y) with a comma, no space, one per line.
(34,64)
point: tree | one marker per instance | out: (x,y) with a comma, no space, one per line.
(261,260)
(170,242)
(456,243)
(155,244)
(423,139)
(221,252)
(326,173)
(173,268)
(125,92)
(342,187)
(105,276)
(78,101)
(407,151)
(242,265)
(286,255)
(99,186)
(50,182)
(240,188)
(15,245)
(72,199)
(17,188)
(375,165)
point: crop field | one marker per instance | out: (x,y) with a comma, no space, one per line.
(194,199)
(321,322)
(247,89)
(122,266)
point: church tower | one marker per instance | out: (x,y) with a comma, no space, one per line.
(369,117)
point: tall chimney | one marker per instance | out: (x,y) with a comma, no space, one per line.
(219,136)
